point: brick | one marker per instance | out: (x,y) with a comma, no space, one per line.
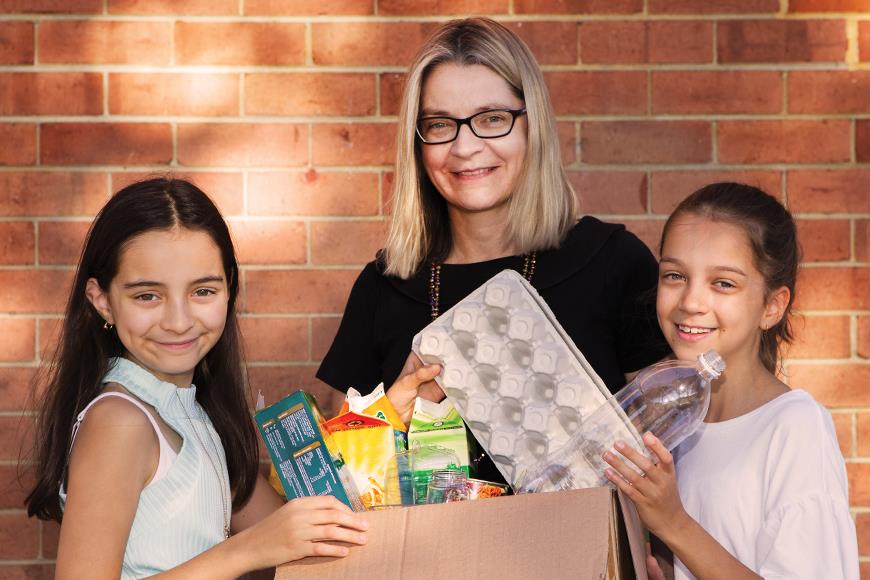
(824,240)
(598,92)
(173,8)
(17,339)
(16,383)
(820,337)
(52,6)
(441,7)
(636,42)
(239,43)
(50,537)
(829,191)
(669,188)
(862,527)
(106,143)
(610,192)
(52,194)
(20,140)
(340,94)
(858,475)
(863,428)
(368,43)
(16,42)
(60,243)
(829,288)
(645,142)
(323,331)
(105,42)
(17,437)
(246,145)
(51,94)
(13,489)
(19,536)
(305,291)
(34,291)
(278,382)
(648,230)
(226,190)
(841,385)
(567,142)
(49,335)
(17,243)
(822,141)
(392,87)
(827,6)
(707,7)
(864,40)
(828,91)
(346,242)
(727,92)
(578,6)
(550,42)
(354,144)
(269,241)
(275,339)
(862,240)
(308,7)
(864,336)
(313,193)
(843,428)
(781,41)
(173,94)
(862,140)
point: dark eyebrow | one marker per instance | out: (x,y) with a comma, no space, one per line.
(487,107)
(670,260)
(152,283)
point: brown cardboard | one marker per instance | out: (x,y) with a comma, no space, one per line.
(582,534)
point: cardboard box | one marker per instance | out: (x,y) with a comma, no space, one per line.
(582,534)
(302,451)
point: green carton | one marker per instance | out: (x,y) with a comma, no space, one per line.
(436,428)
(307,461)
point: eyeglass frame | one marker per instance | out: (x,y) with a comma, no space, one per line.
(467,121)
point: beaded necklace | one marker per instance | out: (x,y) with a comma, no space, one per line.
(435,281)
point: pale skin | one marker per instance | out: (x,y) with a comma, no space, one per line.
(710,295)
(166,323)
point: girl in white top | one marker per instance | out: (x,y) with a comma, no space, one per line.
(760,489)
(148,474)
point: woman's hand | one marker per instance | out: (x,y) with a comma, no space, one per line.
(300,528)
(415,380)
(654,490)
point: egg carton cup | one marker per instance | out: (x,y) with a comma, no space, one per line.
(513,373)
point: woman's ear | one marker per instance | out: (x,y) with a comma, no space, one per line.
(100,300)
(774,310)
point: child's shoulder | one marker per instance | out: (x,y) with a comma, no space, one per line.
(799,417)
(120,409)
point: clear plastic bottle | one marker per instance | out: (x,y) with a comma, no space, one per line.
(669,399)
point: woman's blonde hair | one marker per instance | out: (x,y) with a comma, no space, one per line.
(542,208)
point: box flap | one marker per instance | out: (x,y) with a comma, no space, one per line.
(635,531)
(548,535)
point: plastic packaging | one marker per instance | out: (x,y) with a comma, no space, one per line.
(447,485)
(669,399)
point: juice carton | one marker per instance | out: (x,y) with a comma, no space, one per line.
(436,425)
(305,457)
(369,447)
(376,404)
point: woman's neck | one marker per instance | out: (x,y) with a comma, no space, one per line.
(741,389)
(477,237)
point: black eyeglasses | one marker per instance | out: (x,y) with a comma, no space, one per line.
(486,125)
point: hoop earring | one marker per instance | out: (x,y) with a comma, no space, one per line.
(108,325)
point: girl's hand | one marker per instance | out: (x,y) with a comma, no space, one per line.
(415,380)
(654,491)
(302,527)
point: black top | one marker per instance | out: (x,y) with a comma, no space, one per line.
(599,284)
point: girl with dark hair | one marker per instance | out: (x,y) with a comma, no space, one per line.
(146,452)
(759,490)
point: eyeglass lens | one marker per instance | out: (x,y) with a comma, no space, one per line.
(485,124)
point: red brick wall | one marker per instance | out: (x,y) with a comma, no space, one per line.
(284,111)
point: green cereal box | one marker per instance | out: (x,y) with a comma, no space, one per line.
(436,426)
(306,459)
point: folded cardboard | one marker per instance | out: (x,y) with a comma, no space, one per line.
(583,534)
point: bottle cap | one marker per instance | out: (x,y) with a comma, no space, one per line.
(711,364)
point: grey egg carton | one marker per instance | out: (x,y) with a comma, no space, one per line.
(517,379)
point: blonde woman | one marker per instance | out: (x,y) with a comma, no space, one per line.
(479,187)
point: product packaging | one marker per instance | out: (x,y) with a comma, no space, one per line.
(435,428)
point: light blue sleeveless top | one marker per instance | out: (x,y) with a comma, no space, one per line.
(181,515)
